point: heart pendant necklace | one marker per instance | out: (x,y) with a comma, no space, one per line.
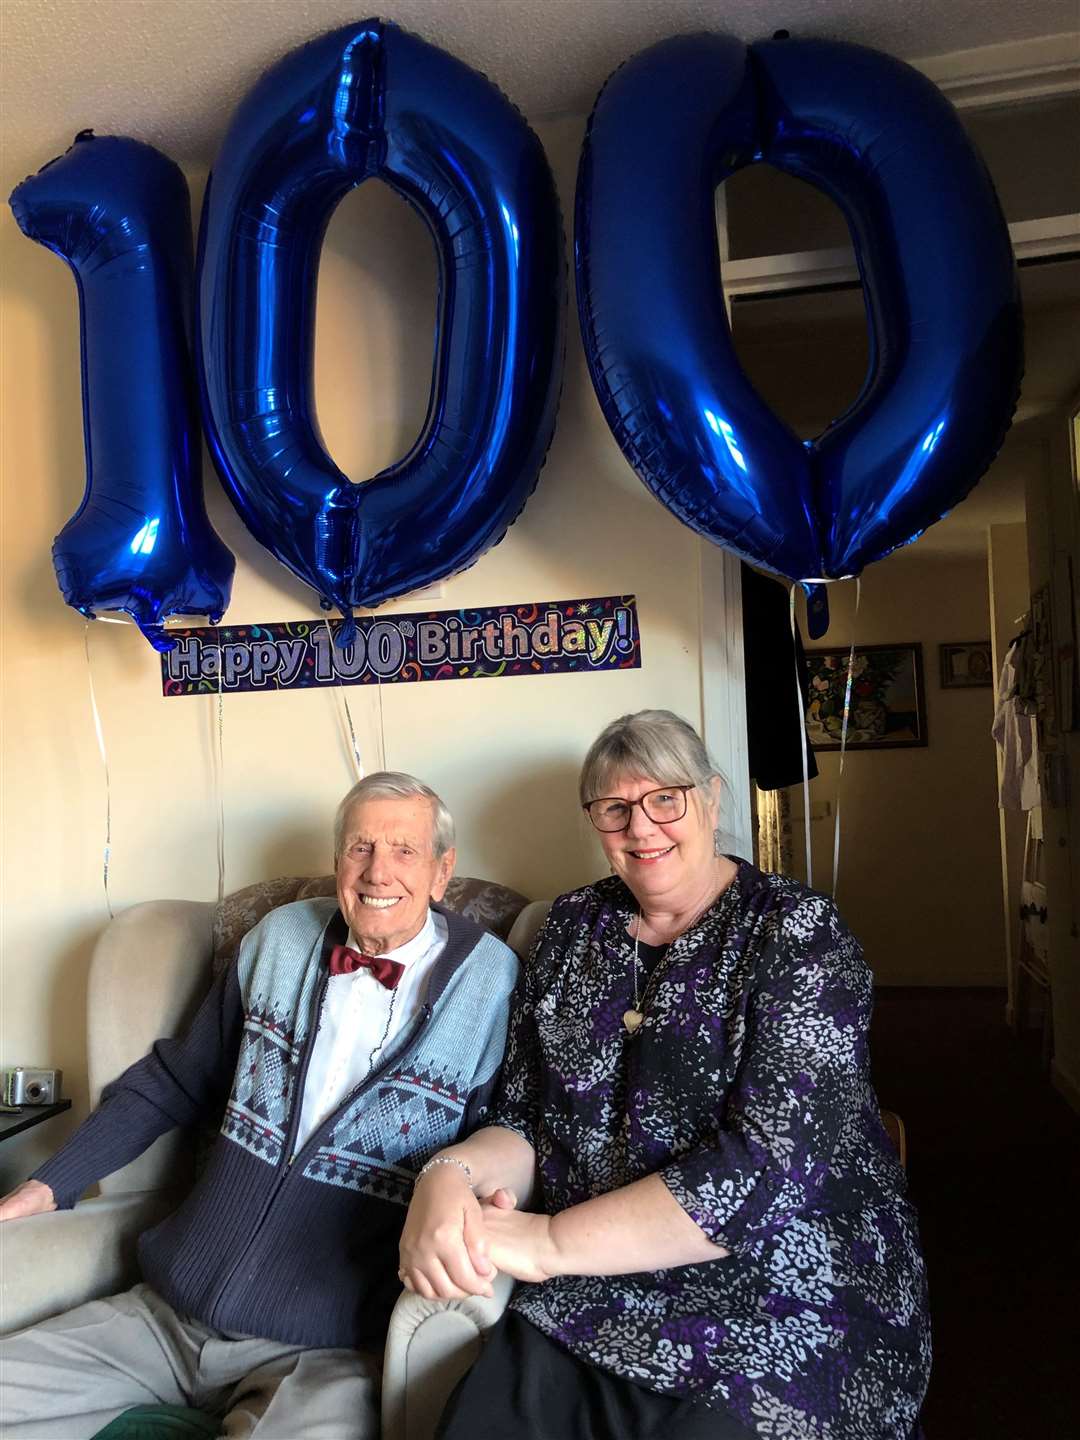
(632,1019)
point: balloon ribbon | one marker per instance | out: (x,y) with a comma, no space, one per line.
(802,738)
(95,712)
(219,776)
(843,739)
(343,705)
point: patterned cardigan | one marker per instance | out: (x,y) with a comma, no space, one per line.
(747,1089)
(286,1242)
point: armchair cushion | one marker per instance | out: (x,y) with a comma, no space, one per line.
(495,907)
(51,1263)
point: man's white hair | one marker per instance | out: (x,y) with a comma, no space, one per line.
(396,785)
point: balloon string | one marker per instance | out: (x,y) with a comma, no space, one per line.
(343,705)
(382,726)
(219,775)
(802,737)
(105,766)
(843,739)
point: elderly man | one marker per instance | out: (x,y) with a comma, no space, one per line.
(350,1041)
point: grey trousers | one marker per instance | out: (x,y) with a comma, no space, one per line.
(66,1378)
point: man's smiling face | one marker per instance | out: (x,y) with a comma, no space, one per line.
(387,872)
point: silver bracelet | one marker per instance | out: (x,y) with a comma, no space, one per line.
(444,1160)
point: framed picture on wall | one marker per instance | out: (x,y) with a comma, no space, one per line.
(966,665)
(888,699)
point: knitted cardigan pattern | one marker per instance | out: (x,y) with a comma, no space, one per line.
(286,1243)
(416,1105)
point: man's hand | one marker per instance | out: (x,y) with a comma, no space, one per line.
(30,1198)
(443,1248)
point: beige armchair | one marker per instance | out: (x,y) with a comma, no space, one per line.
(149,971)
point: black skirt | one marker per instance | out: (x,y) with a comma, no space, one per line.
(526,1387)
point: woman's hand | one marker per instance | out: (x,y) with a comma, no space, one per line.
(443,1246)
(519,1244)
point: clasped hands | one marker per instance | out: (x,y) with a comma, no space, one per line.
(454,1244)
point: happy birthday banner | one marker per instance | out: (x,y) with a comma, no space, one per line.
(550,638)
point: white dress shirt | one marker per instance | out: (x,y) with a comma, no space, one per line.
(360,1018)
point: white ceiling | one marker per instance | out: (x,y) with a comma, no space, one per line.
(170,71)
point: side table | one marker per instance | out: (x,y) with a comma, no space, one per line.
(29,1115)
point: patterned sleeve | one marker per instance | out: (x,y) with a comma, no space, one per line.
(517,1098)
(801,1077)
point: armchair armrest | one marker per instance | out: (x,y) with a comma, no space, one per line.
(526,927)
(150,969)
(429,1346)
(50,1263)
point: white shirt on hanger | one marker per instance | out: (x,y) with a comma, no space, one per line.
(1016,733)
(360,1018)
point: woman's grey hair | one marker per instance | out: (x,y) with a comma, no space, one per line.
(656,744)
(396,785)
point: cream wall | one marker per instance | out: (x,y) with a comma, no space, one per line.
(504,753)
(920,867)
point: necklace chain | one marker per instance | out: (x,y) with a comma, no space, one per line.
(633,1019)
(637,937)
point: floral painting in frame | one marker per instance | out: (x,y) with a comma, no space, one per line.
(888,698)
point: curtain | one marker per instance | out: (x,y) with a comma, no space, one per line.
(774,850)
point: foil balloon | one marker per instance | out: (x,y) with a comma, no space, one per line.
(118,212)
(364,102)
(939,280)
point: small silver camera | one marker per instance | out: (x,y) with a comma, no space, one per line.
(31,1087)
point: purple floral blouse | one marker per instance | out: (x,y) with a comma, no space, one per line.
(748,1090)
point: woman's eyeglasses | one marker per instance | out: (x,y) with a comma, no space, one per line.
(612,812)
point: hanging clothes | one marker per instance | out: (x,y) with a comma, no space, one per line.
(1014,730)
(1025,660)
(772,706)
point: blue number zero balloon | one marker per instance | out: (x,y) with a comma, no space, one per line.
(118,212)
(933,250)
(368,101)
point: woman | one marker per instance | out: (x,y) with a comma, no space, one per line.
(723,1246)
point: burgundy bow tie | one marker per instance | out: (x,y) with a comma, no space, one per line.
(344,961)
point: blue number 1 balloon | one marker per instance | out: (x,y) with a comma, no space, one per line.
(118,212)
(371,101)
